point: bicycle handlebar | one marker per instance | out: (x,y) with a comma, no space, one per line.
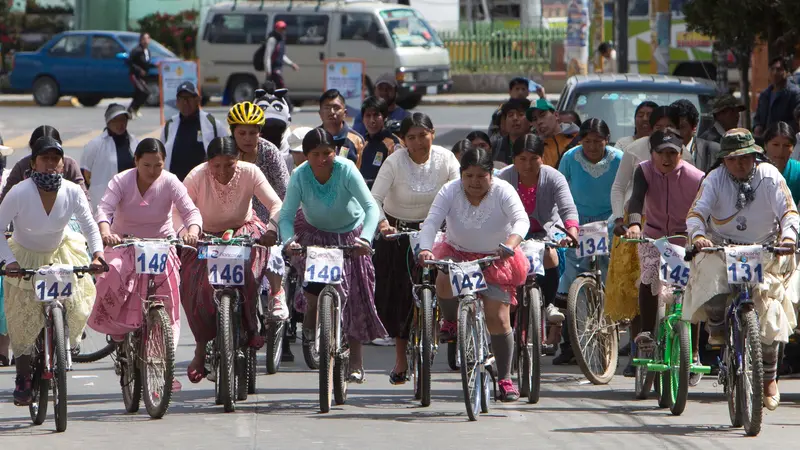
(774,249)
(77,270)
(444,265)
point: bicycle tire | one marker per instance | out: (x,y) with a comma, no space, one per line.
(227,376)
(130,378)
(252,364)
(610,351)
(310,354)
(426,342)
(95,355)
(158,336)
(470,364)
(520,363)
(751,345)
(413,354)
(326,358)
(242,369)
(679,378)
(452,355)
(534,340)
(662,381)
(341,372)
(732,391)
(60,375)
(274,331)
(40,387)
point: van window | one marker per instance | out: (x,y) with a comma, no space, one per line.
(305,29)
(361,27)
(409,29)
(237,29)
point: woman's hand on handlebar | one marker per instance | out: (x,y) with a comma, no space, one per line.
(787,247)
(385,229)
(567,241)
(12,270)
(634,232)
(190,239)
(363,247)
(268,239)
(110,240)
(424,255)
(702,243)
(97,265)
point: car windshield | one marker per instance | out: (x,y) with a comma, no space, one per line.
(408,28)
(617,108)
(132,40)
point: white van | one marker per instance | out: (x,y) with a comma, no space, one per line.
(390,38)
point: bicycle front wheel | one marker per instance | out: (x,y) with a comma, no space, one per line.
(593,338)
(60,376)
(226,379)
(157,363)
(751,382)
(680,367)
(40,387)
(274,331)
(130,376)
(325,315)
(469,346)
(426,342)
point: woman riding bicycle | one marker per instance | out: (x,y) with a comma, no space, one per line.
(41,207)
(138,202)
(246,121)
(404,189)
(589,169)
(548,201)
(337,209)
(740,202)
(663,190)
(484,216)
(223,189)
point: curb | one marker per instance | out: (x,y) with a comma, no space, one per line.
(63,102)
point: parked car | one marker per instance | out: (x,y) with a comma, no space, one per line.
(614,97)
(84,64)
(391,38)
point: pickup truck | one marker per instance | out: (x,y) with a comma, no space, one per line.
(89,65)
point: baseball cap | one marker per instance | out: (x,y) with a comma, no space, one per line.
(188,87)
(296,139)
(280,24)
(116,110)
(387,78)
(540,105)
(668,139)
(738,142)
(46,143)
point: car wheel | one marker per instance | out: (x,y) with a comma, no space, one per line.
(242,89)
(45,91)
(154,99)
(410,102)
(89,100)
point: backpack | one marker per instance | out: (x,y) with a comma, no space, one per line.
(258,57)
(211,120)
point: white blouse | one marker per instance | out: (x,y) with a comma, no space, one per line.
(39,232)
(405,189)
(714,214)
(475,229)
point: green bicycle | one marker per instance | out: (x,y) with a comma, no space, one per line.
(669,364)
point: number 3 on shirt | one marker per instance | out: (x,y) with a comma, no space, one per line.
(466,279)
(151,257)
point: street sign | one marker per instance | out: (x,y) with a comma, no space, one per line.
(346,75)
(171,73)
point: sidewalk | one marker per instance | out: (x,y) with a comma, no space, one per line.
(10,100)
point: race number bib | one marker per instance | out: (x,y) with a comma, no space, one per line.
(744,264)
(467,279)
(226,272)
(534,251)
(324,265)
(151,257)
(593,239)
(53,282)
(674,270)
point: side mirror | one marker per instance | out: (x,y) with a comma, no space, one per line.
(122,55)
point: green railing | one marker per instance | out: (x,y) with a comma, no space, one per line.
(488,50)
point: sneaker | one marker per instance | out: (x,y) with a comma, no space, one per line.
(176,385)
(448,332)
(23,393)
(549,349)
(694,378)
(279,311)
(508,392)
(565,357)
(383,342)
(357,376)
(644,342)
(554,315)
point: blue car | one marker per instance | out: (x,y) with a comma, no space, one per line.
(84,64)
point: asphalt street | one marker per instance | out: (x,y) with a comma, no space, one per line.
(572,414)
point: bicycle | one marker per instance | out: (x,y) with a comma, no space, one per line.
(424,327)
(51,357)
(230,364)
(325,265)
(741,370)
(466,279)
(671,358)
(595,339)
(145,359)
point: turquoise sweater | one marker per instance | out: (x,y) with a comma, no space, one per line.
(591,183)
(339,206)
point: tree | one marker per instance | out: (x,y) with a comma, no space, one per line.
(737,25)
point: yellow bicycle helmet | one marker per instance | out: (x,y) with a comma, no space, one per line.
(246,113)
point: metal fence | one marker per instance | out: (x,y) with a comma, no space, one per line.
(486,50)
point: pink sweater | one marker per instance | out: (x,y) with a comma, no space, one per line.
(230,206)
(149,215)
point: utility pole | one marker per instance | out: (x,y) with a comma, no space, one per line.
(531,14)
(577,43)
(661,35)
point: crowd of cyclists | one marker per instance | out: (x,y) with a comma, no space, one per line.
(290,188)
